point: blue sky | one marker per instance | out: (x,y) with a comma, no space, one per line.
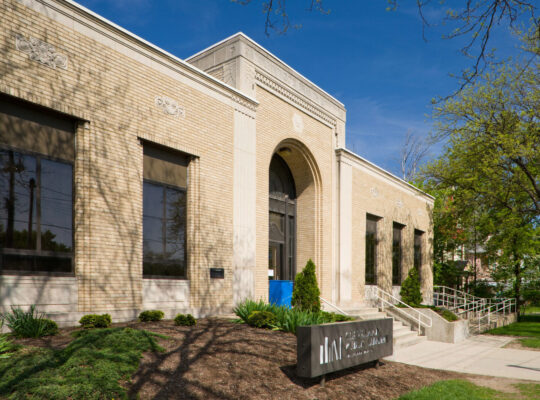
(372,60)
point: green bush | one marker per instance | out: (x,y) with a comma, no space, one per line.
(29,324)
(151,315)
(306,291)
(287,319)
(184,320)
(95,321)
(262,319)
(333,317)
(410,289)
(244,310)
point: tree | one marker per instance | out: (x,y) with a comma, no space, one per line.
(306,291)
(477,20)
(413,151)
(491,163)
(410,289)
(277,16)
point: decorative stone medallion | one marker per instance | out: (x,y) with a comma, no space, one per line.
(298,123)
(169,106)
(374,192)
(41,52)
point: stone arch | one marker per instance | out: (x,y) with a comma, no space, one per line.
(308,182)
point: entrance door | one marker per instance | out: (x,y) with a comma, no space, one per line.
(282,222)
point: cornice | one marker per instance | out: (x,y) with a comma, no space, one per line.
(69,13)
(358,161)
(272,84)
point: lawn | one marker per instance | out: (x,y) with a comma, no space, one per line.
(91,367)
(463,390)
(528,327)
(531,310)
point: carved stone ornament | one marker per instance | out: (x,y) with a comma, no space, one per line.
(374,192)
(169,106)
(42,52)
(298,123)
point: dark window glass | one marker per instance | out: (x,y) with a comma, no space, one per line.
(164,230)
(371,250)
(396,254)
(36,218)
(418,251)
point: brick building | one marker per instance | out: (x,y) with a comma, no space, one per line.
(131,179)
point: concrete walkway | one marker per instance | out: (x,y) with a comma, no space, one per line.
(481,354)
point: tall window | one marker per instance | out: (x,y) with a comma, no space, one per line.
(418,251)
(371,249)
(36,190)
(164,213)
(396,254)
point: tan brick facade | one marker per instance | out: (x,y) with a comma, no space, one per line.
(112,85)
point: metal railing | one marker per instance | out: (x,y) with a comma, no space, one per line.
(333,306)
(387,300)
(475,309)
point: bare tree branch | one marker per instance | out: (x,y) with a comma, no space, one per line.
(413,151)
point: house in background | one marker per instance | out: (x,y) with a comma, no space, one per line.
(131,179)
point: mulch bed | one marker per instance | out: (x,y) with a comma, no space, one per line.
(217,359)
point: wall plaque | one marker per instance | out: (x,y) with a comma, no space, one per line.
(322,349)
(217,273)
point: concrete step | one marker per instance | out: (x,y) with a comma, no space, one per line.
(407,341)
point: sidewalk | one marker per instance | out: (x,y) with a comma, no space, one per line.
(480,355)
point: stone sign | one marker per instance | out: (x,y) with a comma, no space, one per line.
(322,349)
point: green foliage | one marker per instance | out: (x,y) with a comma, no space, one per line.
(464,390)
(262,319)
(490,168)
(449,315)
(410,289)
(287,319)
(29,324)
(244,310)
(151,315)
(95,365)
(306,291)
(185,320)
(90,321)
(334,317)
(482,289)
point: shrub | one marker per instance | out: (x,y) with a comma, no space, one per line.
(151,315)
(244,310)
(449,315)
(334,317)
(29,324)
(5,344)
(410,289)
(95,321)
(262,319)
(184,320)
(306,291)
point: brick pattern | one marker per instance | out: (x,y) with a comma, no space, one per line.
(376,196)
(115,94)
(311,165)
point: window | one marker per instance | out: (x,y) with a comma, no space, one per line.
(164,213)
(36,190)
(371,250)
(418,251)
(396,254)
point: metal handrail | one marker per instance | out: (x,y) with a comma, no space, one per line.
(333,306)
(395,300)
(462,303)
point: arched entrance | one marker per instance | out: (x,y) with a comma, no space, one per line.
(282,221)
